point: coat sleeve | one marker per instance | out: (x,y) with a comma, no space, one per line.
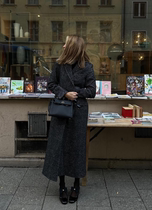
(53,83)
(89,91)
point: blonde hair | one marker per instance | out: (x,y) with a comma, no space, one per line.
(74,51)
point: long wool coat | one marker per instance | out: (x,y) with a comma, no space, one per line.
(66,148)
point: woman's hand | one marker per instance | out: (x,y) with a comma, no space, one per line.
(71,95)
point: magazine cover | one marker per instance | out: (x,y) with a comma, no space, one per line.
(17,86)
(5,85)
(98,87)
(29,86)
(41,84)
(106,87)
(148,84)
(135,85)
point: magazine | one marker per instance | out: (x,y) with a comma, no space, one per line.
(41,84)
(135,85)
(17,86)
(5,85)
(29,86)
(148,84)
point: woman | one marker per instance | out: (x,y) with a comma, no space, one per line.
(72,78)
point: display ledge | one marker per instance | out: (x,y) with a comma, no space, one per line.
(81,5)
(31,139)
(57,5)
(106,6)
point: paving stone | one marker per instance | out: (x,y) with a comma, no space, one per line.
(146,195)
(116,175)
(53,189)
(1,168)
(122,189)
(8,189)
(93,208)
(140,174)
(24,207)
(127,203)
(4,201)
(12,176)
(53,203)
(34,177)
(93,197)
(29,195)
(96,178)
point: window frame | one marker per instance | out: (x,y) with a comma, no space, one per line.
(139,9)
(57,31)
(81,2)
(81,32)
(104,30)
(31,28)
(9,2)
(106,3)
(57,3)
(132,35)
(32,3)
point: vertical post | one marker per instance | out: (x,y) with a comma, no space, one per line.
(84,180)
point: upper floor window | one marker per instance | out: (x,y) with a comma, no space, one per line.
(81,2)
(105,31)
(57,31)
(139,9)
(139,38)
(81,29)
(9,1)
(34,30)
(33,2)
(57,2)
(106,2)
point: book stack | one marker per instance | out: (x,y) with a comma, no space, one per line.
(103,87)
(132,111)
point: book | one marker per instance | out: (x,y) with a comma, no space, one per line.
(138,111)
(114,95)
(98,87)
(41,84)
(148,84)
(5,85)
(29,86)
(133,107)
(17,86)
(139,97)
(17,95)
(95,115)
(127,112)
(106,87)
(135,85)
(32,95)
(111,115)
(124,96)
(46,95)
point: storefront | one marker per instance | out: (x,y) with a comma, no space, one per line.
(32,33)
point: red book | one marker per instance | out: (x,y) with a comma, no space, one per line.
(127,112)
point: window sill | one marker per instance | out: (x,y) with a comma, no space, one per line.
(57,5)
(81,5)
(106,5)
(139,17)
(32,5)
(8,5)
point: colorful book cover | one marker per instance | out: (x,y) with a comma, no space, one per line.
(106,87)
(17,86)
(148,84)
(5,85)
(135,85)
(29,86)
(98,87)
(41,84)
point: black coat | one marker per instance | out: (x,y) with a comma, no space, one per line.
(66,148)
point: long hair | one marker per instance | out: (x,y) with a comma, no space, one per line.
(74,51)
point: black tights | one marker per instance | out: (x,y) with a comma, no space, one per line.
(62,182)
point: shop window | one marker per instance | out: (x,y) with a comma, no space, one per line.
(81,29)
(106,2)
(105,31)
(34,30)
(9,1)
(139,38)
(33,2)
(57,31)
(139,9)
(57,2)
(81,2)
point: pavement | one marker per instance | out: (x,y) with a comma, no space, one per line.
(107,189)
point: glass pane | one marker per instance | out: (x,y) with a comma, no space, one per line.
(136,9)
(143,9)
(78,1)
(103,2)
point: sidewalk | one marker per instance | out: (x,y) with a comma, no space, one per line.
(108,189)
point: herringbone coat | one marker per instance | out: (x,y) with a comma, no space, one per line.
(66,148)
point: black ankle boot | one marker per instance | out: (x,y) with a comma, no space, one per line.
(63,195)
(74,194)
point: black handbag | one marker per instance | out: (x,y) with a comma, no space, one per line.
(61,108)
